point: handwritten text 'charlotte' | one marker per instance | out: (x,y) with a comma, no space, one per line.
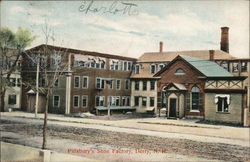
(115,7)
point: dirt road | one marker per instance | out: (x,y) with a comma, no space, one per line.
(119,146)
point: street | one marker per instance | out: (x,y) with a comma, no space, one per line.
(113,140)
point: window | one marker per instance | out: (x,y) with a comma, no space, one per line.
(129,66)
(12,82)
(56,83)
(75,101)
(100,83)
(97,65)
(56,101)
(118,84)
(110,84)
(41,81)
(222,102)
(224,65)
(179,72)
(116,66)
(161,66)
(235,67)
(77,82)
(18,82)
(85,82)
(137,85)
(152,69)
(144,101)
(79,63)
(84,101)
(152,85)
(92,64)
(195,93)
(125,65)
(144,85)
(99,101)
(125,101)
(127,84)
(114,100)
(136,98)
(243,66)
(152,101)
(12,100)
(102,64)
(137,69)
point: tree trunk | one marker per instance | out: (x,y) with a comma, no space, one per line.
(2,102)
(45,122)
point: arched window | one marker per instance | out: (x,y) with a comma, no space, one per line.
(195,96)
(179,72)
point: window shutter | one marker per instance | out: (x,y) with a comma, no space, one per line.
(159,100)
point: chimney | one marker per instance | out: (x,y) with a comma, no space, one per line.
(161,46)
(211,55)
(224,44)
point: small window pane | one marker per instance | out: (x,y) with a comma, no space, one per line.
(76,101)
(12,100)
(144,101)
(136,101)
(235,67)
(152,101)
(179,72)
(144,87)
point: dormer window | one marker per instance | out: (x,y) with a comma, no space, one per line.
(179,72)
(161,66)
(137,69)
(152,68)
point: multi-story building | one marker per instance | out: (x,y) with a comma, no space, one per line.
(93,82)
(148,77)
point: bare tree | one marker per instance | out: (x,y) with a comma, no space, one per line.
(53,63)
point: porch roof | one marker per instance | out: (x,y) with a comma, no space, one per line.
(180,86)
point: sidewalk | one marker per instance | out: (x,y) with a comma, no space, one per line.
(187,127)
(16,152)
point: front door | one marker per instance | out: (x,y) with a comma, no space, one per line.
(172,107)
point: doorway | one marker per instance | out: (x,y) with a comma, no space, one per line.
(172,107)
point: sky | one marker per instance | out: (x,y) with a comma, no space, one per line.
(130,28)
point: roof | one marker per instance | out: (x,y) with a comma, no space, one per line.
(77,51)
(169,56)
(208,68)
(180,86)
(144,72)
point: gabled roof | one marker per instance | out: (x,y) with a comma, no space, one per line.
(76,51)
(205,67)
(208,68)
(169,56)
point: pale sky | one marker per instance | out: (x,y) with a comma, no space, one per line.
(181,25)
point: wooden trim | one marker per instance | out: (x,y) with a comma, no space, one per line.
(225,90)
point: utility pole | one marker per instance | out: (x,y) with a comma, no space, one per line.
(68,86)
(37,84)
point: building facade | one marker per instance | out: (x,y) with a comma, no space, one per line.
(92,82)
(178,88)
